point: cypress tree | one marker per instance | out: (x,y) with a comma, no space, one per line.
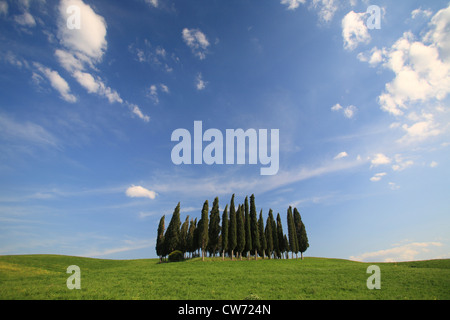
(280,236)
(160,238)
(240,231)
(302,237)
(254,227)
(269,238)
(232,241)
(286,246)
(304,244)
(183,244)
(273,235)
(203,229)
(248,231)
(293,243)
(224,231)
(262,236)
(214,228)
(190,238)
(172,236)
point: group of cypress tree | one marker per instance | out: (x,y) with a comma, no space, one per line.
(241,233)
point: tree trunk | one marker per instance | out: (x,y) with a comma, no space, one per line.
(301,254)
(256,254)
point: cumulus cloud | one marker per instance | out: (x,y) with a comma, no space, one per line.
(400,252)
(354,30)
(90,39)
(421,82)
(380,159)
(140,192)
(84,49)
(197,41)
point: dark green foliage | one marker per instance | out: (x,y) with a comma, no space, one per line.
(183,243)
(224,232)
(269,237)
(191,236)
(262,236)
(280,236)
(276,248)
(254,227)
(232,231)
(240,231)
(203,229)
(172,236)
(292,232)
(214,228)
(248,232)
(175,256)
(160,238)
(302,237)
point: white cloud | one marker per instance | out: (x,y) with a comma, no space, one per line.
(401,164)
(421,83)
(380,159)
(3,8)
(341,155)
(84,48)
(197,41)
(407,252)
(433,164)
(153,91)
(327,9)
(135,110)
(153,3)
(90,39)
(200,83)
(349,112)
(378,176)
(164,88)
(375,58)
(292,4)
(25,20)
(354,30)
(420,12)
(393,186)
(140,192)
(57,82)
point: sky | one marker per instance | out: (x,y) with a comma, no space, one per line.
(91,92)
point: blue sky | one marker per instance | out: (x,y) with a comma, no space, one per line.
(86,117)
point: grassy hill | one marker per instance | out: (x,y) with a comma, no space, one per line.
(44,277)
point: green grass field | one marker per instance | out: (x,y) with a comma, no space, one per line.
(44,277)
